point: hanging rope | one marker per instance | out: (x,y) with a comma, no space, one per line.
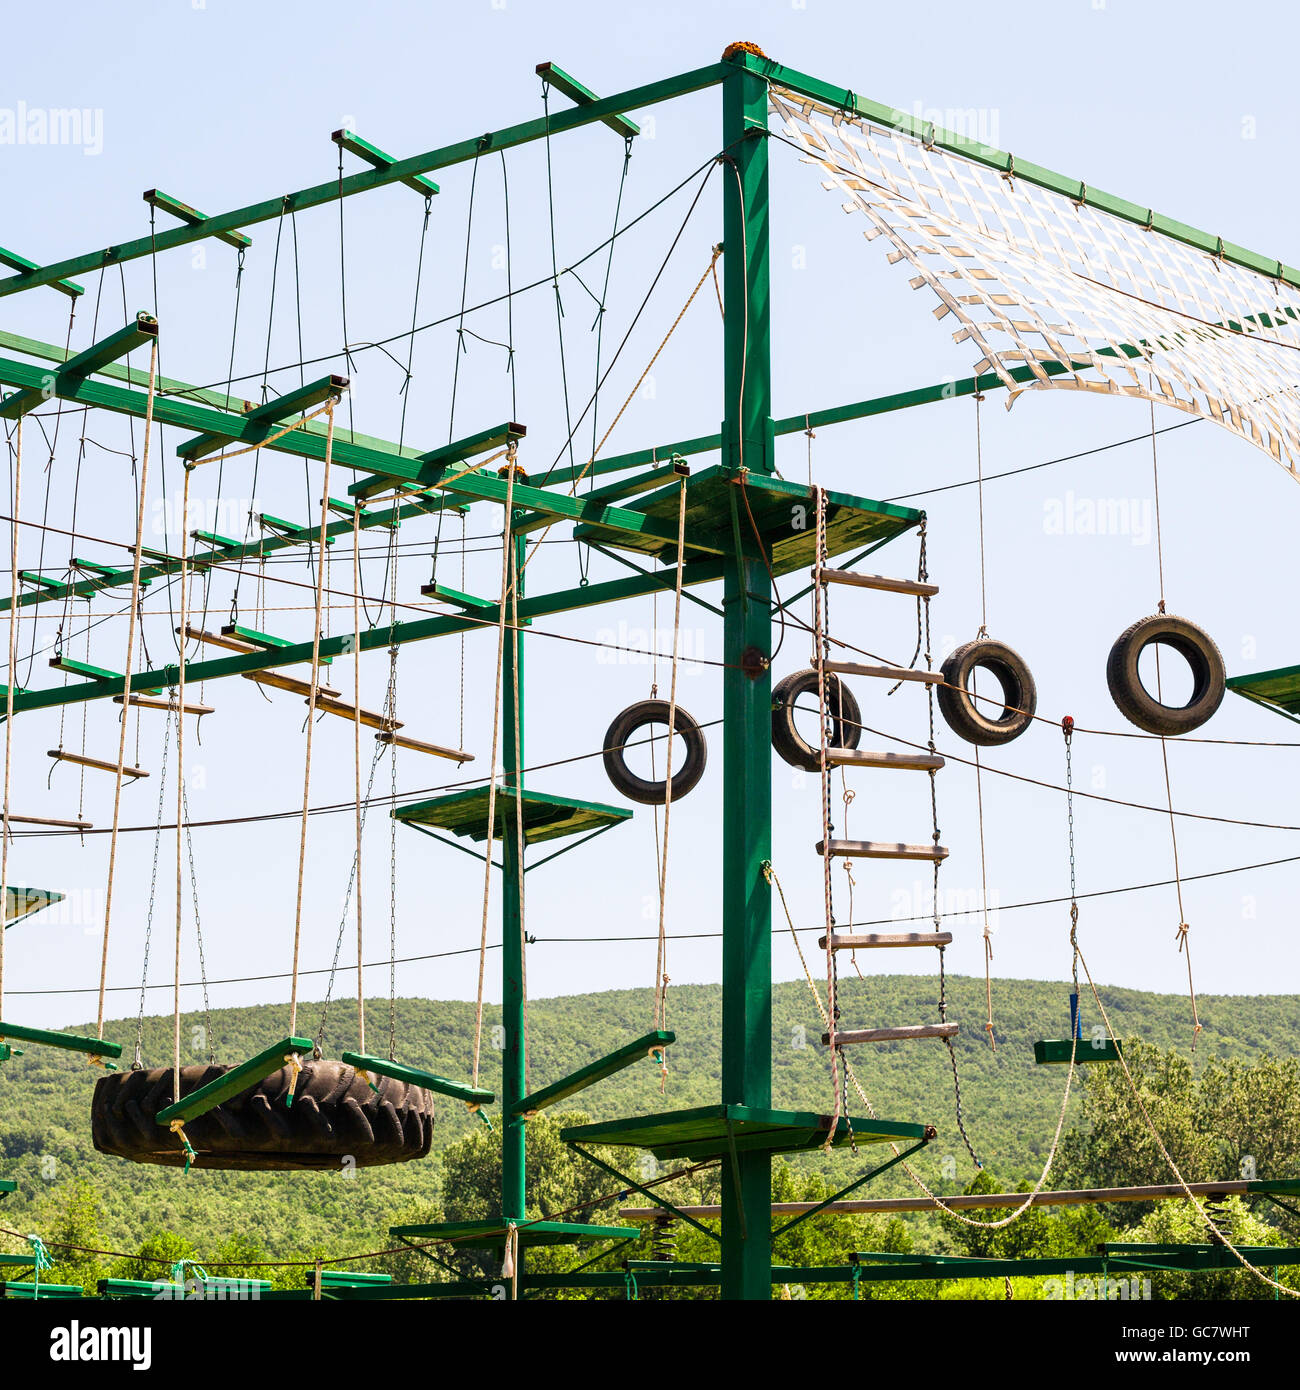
(11,680)
(1182,935)
(979,771)
(311,717)
(507,549)
(132,620)
(661,960)
(359,815)
(180,780)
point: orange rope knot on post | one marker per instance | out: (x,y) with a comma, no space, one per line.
(294,1062)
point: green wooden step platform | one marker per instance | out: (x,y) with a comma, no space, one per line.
(710,1131)
(230,1084)
(23,902)
(490,1234)
(545,817)
(7,1185)
(650,1045)
(1276,690)
(65,1042)
(1054,1051)
(782,512)
(416,1076)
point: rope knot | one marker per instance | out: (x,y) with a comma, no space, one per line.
(1181,934)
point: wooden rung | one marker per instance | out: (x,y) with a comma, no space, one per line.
(881,849)
(98,763)
(887,673)
(416,1076)
(368,717)
(416,746)
(232,1082)
(290,683)
(857,757)
(144,702)
(880,581)
(58,824)
(846,941)
(67,1042)
(907,1034)
(219,639)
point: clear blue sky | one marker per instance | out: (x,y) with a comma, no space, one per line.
(223,104)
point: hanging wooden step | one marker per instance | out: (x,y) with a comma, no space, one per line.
(290,683)
(847,941)
(56,824)
(215,639)
(881,849)
(97,763)
(144,702)
(368,717)
(858,757)
(908,1033)
(880,581)
(886,673)
(416,745)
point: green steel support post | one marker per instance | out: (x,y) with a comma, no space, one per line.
(747,689)
(514,1128)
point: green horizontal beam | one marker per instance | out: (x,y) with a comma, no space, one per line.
(582,96)
(415,1076)
(598,1070)
(267,417)
(638,458)
(21,264)
(169,1288)
(378,159)
(443,157)
(431,467)
(192,217)
(65,1042)
(12,1289)
(979,153)
(80,366)
(234,1081)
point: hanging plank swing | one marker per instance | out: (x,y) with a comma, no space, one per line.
(1055,1051)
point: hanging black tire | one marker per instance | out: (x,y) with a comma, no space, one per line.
(969,718)
(1131,697)
(846,718)
(336,1120)
(620,733)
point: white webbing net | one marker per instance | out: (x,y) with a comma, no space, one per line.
(1042,283)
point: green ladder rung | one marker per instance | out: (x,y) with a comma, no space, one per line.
(595,1071)
(12,1289)
(413,1076)
(1055,1051)
(35,577)
(69,1042)
(291,530)
(111,575)
(234,1081)
(96,673)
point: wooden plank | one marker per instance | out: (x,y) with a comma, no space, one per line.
(881,849)
(1056,1052)
(416,745)
(908,1033)
(368,717)
(97,763)
(887,673)
(879,581)
(646,1045)
(290,683)
(47,820)
(859,757)
(145,702)
(66,1042)
(234,1081)
(416,1076)
(847,941)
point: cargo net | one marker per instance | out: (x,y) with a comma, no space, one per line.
(1056,293)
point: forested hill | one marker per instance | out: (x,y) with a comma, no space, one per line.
(1010,1105)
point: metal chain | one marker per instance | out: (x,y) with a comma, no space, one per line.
(198,925)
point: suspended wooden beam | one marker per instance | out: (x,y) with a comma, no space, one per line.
(266,642)
(581,96)
(888,673)
(21,264)
(156,198)
(881,849)
(416,745)
(149,702)
(374,156)
(909,1033)
(231,1083)
(847,941)
(859,757)
(65,1042)
(649,1045)
(416,1076)
(82,365)
(879,581)
(56,824)
(370,718)
(267,418)
(98,764)
(279,681)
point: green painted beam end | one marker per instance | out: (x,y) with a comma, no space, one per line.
(349,140)
(583,96)
(156,198)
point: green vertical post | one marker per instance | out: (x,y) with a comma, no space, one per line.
(514,1196)
(746,688)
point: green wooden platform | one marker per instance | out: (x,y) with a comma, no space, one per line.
(66,1042)
(415,1076)
(491,1233)
(231,1083)
(1055,1051)
(22,902)
(709,1131)
(777,506)
(7,1185)
(545,817)
(627,1055)
(1277,690)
